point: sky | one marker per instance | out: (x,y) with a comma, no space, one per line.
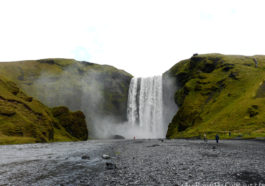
(142,37)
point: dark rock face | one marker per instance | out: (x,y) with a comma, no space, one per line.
(206,65)
(227,67)
(234,75)
(73,122)
(253,111)
(182,78)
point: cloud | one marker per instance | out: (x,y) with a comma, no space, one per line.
(151,34)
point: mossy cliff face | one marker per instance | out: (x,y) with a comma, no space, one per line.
(73,122)
(26,120)
(96,90)
(217,94)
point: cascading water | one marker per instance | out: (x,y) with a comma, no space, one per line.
(145,107)
(150,108)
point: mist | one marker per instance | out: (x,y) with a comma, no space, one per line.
(95,91)
(102,97)
(170,108)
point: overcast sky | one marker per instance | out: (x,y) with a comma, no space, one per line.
(143,37)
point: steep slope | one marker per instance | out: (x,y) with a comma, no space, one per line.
(217,94)
(26,120)
(97,90)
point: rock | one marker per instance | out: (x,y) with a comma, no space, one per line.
(105,156)
(117,137)
(110,166)
(252,111)
(154,145)
(85,157)
(209,67)
(227,67)
(234,75)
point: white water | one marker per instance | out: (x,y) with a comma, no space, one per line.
(145,107)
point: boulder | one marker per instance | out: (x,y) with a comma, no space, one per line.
(85,157)
(117,137)
(110,166)
(105,156)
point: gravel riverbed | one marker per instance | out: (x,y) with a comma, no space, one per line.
(134,162)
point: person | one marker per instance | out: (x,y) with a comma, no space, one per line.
(217,138)
(204,137)
(229,133)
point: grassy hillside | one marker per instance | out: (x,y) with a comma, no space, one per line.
(219,93)
(96,90)
(26,120)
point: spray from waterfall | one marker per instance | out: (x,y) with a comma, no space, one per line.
(150,108)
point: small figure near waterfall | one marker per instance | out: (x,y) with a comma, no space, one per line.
(204,137)
(217,138)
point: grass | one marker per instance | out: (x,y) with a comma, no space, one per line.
(221,98)
(91,88)
(4,140)
(24,119)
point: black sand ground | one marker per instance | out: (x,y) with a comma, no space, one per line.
(134,162)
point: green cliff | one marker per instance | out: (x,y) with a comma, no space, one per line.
(217,94)
(26,120)
(96,90)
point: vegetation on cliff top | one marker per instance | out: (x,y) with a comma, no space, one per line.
(217,94)
(96,90)
(24,119)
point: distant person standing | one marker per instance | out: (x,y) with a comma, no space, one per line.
(217,138)
(204,137)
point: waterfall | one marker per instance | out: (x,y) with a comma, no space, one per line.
(145,107)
